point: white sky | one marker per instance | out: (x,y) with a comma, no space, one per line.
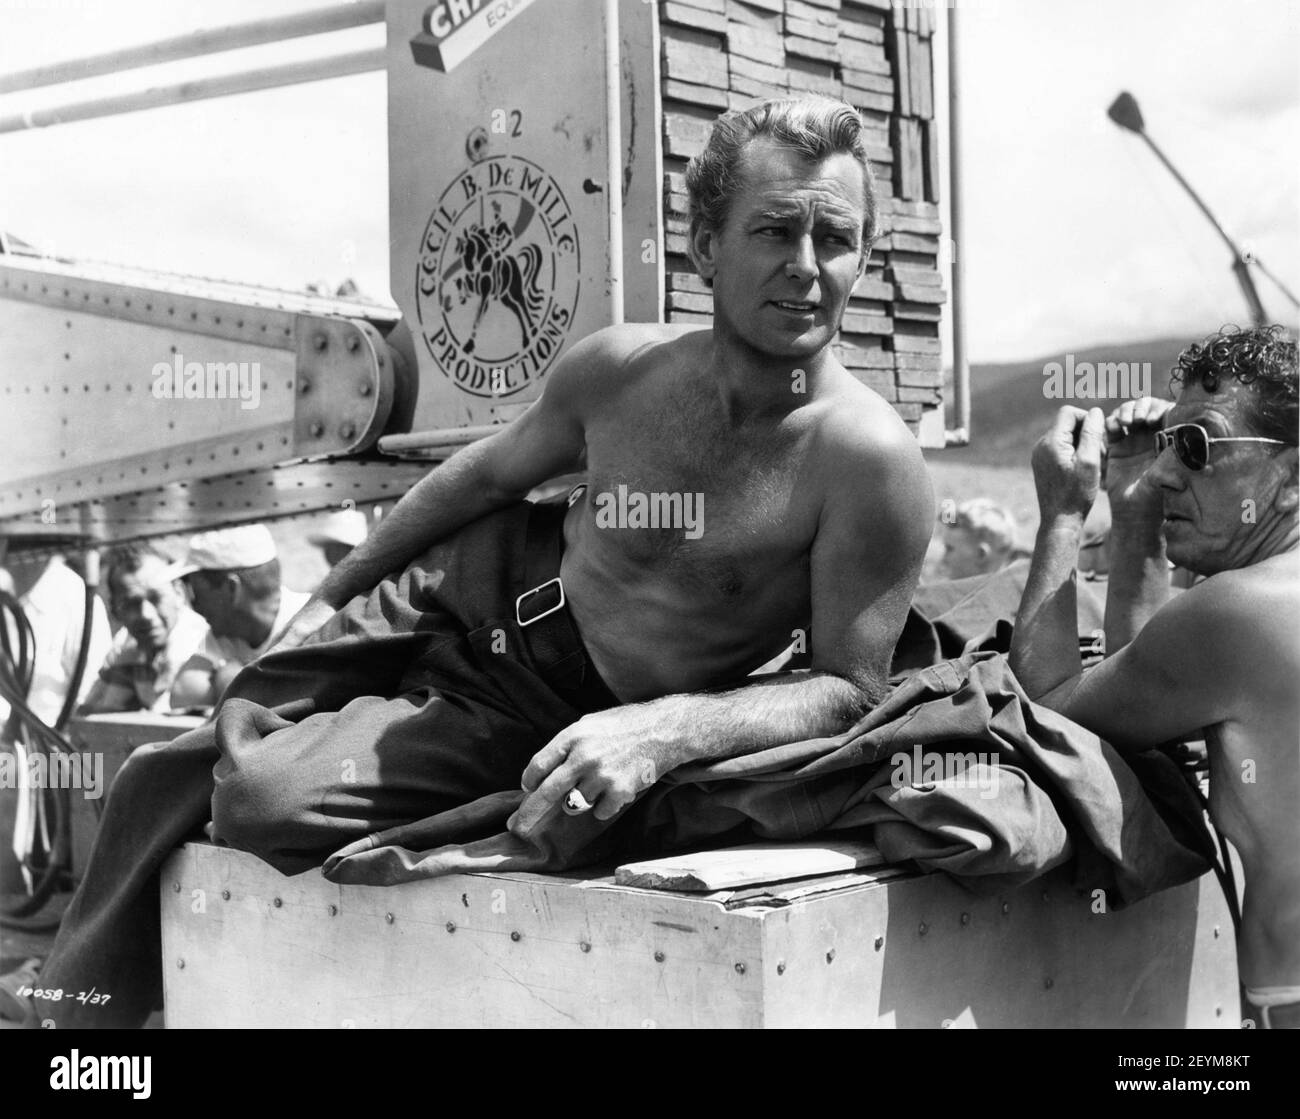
(1074,233)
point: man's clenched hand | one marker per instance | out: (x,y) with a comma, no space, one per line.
(1130,433)
(1067,463)
(611,757)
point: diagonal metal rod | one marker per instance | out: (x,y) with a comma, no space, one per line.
(198,43)
(312,70)
(1239,265)
(1276,282)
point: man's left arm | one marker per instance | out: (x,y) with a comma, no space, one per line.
(866,558)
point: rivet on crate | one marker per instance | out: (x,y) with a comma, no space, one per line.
(332,910)
(1006,908)
(830,955)
(516,936)
(965,918)
(780,967)
(225,895)
(451,926)
(880,943)
(924,928)
(277,902)
(659,957)
(176,886)
(1048,983)
(584,946)
(389,918)
(180,963)
(740,969)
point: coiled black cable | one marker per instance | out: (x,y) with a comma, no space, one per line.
(17,667)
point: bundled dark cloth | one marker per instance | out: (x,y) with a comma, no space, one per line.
(951,617)
(957,770)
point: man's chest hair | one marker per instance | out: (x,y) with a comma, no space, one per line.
(671,435)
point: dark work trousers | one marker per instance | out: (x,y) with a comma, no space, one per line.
(422,696)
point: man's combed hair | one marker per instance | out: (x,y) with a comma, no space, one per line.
(815,127)
(1265,359)
(127,559)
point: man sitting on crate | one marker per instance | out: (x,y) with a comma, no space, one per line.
(742,486)
(1210,484)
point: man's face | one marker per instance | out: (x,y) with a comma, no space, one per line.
(791,249)
(212,594)
(963,553)
(146,602)
(1213,516)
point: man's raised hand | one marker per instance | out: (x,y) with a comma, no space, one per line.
(1130,433)
(1067,463)
(1131,428)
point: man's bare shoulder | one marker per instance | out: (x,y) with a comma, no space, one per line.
(620,347)
(857,427)
(1263,599)
(868,463)
(1242,624)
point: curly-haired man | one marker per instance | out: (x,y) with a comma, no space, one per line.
(1210,484)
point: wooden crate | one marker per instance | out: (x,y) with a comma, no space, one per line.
(246,947)
(113,735)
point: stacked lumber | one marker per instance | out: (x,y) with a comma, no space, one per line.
(730,54)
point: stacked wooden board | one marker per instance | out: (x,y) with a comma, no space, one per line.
(730,54)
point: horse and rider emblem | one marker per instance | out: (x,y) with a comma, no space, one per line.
(497,278)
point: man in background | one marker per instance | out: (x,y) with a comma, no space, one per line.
(341,532)
(980,541)
(159,634)
(233,579)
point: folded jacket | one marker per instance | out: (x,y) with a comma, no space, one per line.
(956,770)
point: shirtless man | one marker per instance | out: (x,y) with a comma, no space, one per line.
(816,513)
(1224,656)
(815,495)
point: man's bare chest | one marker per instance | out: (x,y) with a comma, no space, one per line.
(713,511)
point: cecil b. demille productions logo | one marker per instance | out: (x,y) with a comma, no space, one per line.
(497,279)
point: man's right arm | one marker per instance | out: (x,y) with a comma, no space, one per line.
(107,694)
(1181,673)
(1139,571)
(547,440)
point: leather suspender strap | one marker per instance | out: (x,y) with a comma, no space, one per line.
(541,611)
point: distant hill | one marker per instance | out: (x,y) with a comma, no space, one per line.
(1009,409)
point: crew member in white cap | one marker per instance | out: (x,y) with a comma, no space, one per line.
(341,532)
(233,579)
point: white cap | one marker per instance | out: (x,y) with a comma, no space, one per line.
(226,549)
(347,526)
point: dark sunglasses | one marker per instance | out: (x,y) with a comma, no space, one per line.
(1191,443)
